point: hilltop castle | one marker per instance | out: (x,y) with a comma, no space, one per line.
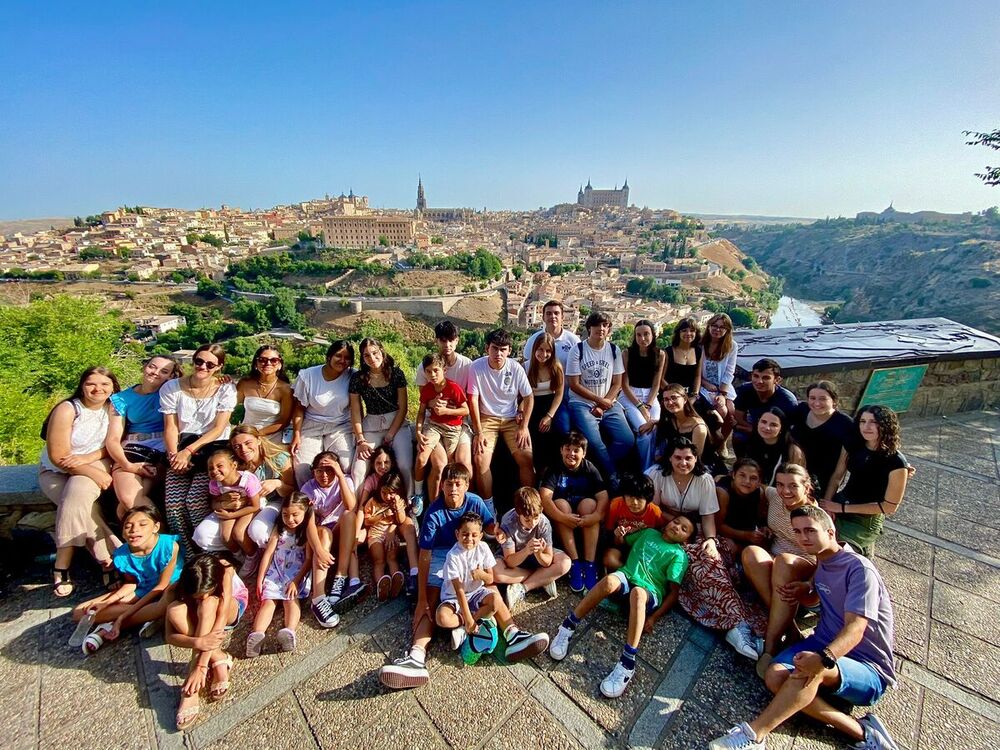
(590,198)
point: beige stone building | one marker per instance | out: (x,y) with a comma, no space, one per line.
(591,198)
(363,232)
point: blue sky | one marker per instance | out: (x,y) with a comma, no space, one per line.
(801,109)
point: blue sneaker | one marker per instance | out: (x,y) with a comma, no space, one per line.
(576,577)
(589,575)
(416,506)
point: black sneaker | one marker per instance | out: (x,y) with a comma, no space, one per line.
(403,673)
(350,593)
(324,614)
(524,645)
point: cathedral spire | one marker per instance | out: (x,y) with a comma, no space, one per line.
(421,200)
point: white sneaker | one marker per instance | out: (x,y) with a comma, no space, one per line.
(515,595)
(560,643)
(740,737)
(249,566)
(254,641)
(457,638)
(742,639)
(615,683)
(550,590)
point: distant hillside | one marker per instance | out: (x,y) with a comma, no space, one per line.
(9,227)
(887,270)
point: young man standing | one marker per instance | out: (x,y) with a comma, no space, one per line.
(553,313)
(495,382)
(457,370)
(849,655)
(594,371)
(752,399)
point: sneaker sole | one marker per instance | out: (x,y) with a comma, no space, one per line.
(398,681)
(348,602)
(286,641)
(532,649)
(606,694)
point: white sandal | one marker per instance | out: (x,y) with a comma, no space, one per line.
(96,639)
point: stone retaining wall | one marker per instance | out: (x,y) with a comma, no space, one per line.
(947,387)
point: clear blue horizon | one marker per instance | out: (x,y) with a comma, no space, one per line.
(782,109)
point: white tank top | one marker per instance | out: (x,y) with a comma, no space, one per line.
(260,412)
(90,427)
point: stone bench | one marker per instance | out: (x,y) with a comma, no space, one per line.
(22,503)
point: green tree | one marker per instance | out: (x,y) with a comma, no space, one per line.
(991,176)
(383,240)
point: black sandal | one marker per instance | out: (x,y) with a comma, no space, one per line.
(110,579)
(61,578)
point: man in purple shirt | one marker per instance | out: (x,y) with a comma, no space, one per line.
(848,656)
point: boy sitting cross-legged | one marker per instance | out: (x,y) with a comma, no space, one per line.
(468,594)
(649,582)
(633,511)
(574,497)
(529,560)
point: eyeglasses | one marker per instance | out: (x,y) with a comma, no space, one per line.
(268,360)
(199,362)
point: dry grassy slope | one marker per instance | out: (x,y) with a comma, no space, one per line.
(727,255)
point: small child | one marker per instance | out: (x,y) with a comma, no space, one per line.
(633,511)
(443,404)
(331,493)
(468,595)
(574,497)
(234,516)
(529,560)
(283,573)
(385,522)
(151,563)
(382,461)
(649,584)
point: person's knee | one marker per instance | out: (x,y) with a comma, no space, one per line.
(786,569)
(751,556)
(775,677)
(610,584)
(587,505)
(639,596)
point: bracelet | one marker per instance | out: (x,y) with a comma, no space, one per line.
(548,416)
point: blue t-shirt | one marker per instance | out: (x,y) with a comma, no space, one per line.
(437,529)
(141,412)
(146,570)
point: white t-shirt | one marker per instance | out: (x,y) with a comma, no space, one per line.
(196,415)
(564,344)
(460,563)
(497,389)
(458,372)
(595,368)
(325,400)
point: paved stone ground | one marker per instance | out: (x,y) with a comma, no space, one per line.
(940,559)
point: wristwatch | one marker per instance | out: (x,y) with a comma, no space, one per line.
(828,659)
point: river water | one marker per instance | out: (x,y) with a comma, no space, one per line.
(794,312)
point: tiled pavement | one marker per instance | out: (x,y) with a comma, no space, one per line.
(940,559)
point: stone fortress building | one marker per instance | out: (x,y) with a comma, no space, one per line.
(591,198)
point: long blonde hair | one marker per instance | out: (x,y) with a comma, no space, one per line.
(269,449)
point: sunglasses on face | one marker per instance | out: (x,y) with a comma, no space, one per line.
(199,362)
(268,360)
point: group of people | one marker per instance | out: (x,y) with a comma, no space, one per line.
(625,484)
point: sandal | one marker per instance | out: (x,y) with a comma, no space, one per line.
(188,715)
(61,577)
(398,581)
(96,639)
(111,579)
(382,588)
(220,689)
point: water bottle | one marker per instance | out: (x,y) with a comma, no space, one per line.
(82,628)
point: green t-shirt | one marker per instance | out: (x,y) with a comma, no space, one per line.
(653,562)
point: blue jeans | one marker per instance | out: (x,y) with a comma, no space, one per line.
(620,439)
(560,423)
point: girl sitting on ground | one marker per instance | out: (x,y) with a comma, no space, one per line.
(386,523)
(150,563)
(284,573)
(210,599)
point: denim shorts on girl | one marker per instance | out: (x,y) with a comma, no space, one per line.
(860,684)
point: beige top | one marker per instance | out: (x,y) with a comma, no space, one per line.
(780,523)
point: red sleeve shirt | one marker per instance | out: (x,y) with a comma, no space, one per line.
(451,393)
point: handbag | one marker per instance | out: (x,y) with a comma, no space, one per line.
(142,454)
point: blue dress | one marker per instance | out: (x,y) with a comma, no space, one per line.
(285,564)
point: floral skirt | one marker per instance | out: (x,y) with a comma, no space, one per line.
(713,594)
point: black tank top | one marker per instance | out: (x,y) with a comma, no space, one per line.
(641,370)
(742,511)
(666,432)
(682,374)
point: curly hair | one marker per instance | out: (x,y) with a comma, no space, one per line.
(888,427)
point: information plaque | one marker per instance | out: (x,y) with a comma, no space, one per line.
(894,387)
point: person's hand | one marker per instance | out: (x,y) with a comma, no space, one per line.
(268,486)
(181,461)
(147,471)
(469,622)
(537,545)
(365,450)
(324,558)
(477,574)
(104,480)
(648,427)
(620,534)
(573,520)
(438,406)
(260,588)
(388,438)
(292,591)
(210,641)
(605,403)
(597,411)
(650,623)
(807,664)
(224,379)
(421,610)
(479,445)
(116,629)
(422,440)
(296,444)
(196,680)
(523,438)
(391,544)
(71,461)
(758,537)
(710,548)
(830,507)
(544,424)
(224,515)
(794,592)
(499,535)
(911,471)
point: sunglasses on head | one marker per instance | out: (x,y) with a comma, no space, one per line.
(199,362)
(269,360)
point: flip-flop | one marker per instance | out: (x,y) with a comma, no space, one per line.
(220,689)
(61,578)
(398,581)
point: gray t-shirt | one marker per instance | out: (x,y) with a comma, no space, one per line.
(848,582)
(518,538)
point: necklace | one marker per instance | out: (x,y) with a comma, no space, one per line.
(199,393)
(262,394)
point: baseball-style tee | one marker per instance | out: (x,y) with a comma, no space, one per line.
(596,368)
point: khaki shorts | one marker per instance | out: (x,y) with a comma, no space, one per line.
(494,426)
(449,435)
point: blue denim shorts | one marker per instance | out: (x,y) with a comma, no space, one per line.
(860,684)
